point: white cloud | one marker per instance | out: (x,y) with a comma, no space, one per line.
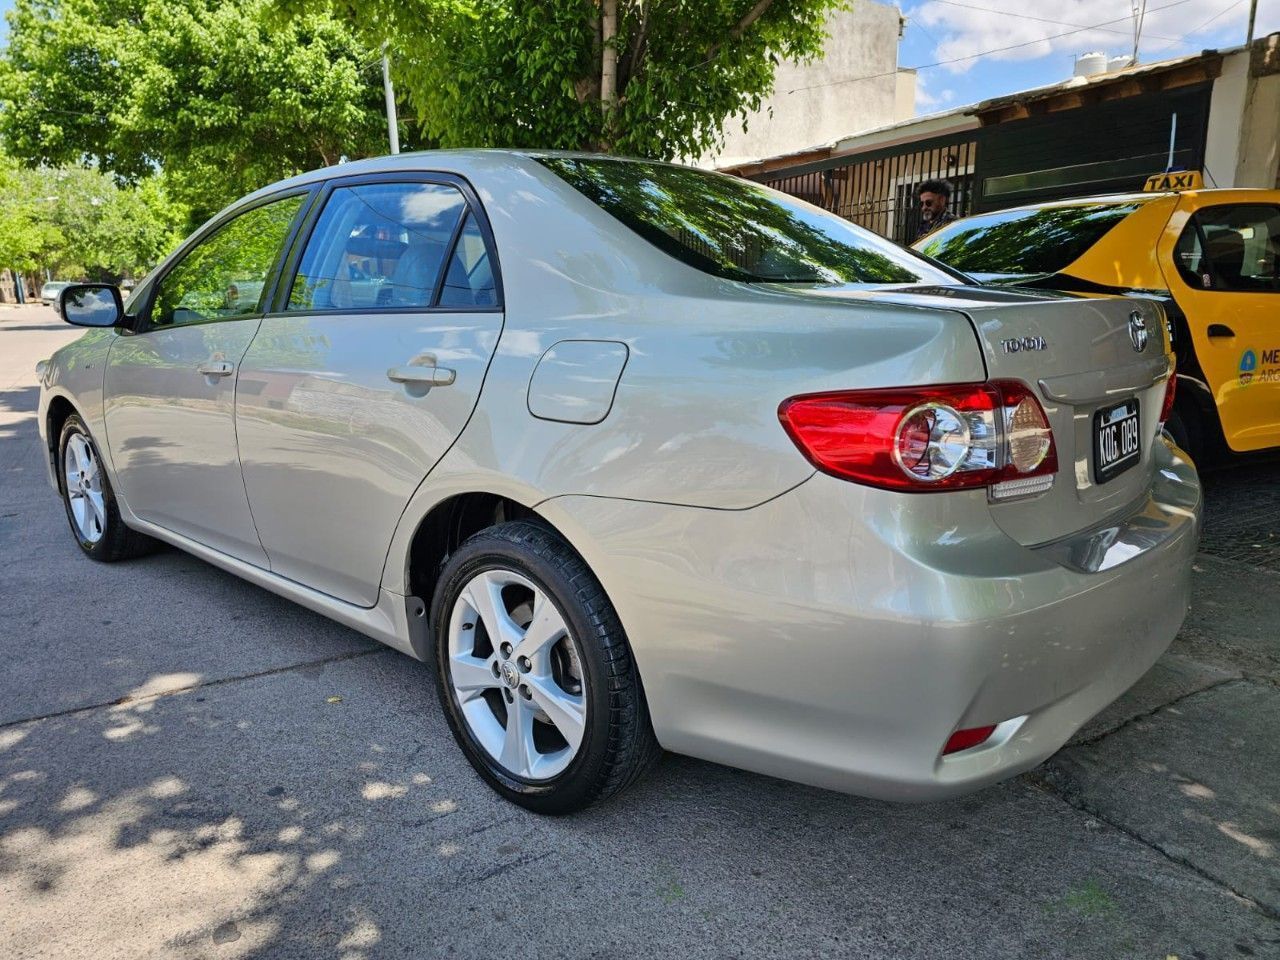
(1170,28)
(929,102)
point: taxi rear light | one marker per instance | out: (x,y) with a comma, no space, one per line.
(919,439)
(964,739)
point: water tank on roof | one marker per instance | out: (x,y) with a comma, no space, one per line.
(1119,63)
(1091,64)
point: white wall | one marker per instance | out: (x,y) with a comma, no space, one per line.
(863,42)
(1259,154)
(1226,110)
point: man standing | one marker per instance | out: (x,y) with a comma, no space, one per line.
(935,198)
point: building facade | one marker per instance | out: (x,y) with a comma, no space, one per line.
(855,85)
(1217,112)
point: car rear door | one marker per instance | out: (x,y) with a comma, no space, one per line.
(169,388)
(365,373)
(1222,264)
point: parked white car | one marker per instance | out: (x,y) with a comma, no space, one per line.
(49,292)
(640,455)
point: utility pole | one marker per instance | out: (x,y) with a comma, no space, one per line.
(1253,15)
(393,127)
(1139,15)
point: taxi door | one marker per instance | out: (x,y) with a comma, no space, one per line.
(1221,258)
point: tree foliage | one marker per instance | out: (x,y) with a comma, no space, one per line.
(651,78)
(76,223)
(222,95)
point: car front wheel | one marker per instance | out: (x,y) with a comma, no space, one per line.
(89,500)
(535,673)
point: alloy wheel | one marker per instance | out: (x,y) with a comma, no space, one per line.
(517,675)
(82,472)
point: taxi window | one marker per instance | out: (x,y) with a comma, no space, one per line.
(1232,248)
(1024,242)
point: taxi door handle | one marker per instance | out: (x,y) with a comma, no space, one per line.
(1220,330)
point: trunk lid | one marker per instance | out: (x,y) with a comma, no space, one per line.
(1079,356)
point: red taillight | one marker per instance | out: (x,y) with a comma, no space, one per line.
(927,438)
(1170,390)
(964,739)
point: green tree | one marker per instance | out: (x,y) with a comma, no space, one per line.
(75,223)
(224,96)
(651,78)
(28,237)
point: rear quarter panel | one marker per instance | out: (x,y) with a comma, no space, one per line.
(694,418)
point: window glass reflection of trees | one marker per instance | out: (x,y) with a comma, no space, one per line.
(1025,242)
(225,275)
(737,229)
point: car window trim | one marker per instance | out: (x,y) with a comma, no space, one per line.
(1204,246)
(289,269)
(307,191)
(451,250)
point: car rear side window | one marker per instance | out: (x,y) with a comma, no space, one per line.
(1234,248)
(1025,242)
(468,280)
(224,276)
(378,245)
(738,229)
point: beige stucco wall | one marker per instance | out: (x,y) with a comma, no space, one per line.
(863,43)
(1226,105)
(1258,156)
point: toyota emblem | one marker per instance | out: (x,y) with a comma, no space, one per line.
(1138,331)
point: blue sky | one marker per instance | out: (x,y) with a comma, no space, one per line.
(1046,37)
(1045,42)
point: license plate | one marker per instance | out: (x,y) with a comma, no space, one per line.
(1117,443)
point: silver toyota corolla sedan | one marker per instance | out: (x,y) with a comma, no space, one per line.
(642,456)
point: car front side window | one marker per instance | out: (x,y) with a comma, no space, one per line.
(225,275)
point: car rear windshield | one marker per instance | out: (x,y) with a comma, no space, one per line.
(1024,242)
(738,229)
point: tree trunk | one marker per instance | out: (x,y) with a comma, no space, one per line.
(608,69)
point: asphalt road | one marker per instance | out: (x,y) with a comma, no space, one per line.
(192,767)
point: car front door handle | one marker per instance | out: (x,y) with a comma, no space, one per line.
(1217,330)
(423,376)
(217,368)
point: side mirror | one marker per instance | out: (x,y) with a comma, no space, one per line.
(91,305)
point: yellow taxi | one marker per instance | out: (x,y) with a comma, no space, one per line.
(1212,257)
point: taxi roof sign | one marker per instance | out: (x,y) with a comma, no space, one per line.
(1174,180)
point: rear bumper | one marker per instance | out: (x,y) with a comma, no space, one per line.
(838,635)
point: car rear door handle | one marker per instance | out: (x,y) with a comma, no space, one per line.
(1220,330)
(423,376)
(217,368)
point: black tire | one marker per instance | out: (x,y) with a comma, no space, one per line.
(618,744)
(117,541)
(1186,434)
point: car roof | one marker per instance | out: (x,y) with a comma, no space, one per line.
(1116,199)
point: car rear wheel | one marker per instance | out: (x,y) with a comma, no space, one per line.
(89,500)
(535,673)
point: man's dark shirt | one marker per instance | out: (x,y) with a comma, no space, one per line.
(928,226)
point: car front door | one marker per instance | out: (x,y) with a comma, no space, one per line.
(170,387)
(365,373)
(1225,276)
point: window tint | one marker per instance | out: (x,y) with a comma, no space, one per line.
(738,229)
(377,245)
(1024,242)
(1232,248)
(468,282)
(225,275)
